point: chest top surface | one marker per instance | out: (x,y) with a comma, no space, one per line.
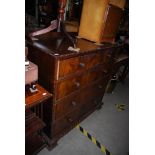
(56,44)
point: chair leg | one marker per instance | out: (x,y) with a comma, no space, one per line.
(124,74)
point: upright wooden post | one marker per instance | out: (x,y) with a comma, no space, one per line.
(61,11)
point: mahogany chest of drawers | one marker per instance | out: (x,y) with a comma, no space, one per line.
(77,80)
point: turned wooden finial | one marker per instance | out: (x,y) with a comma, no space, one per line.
(61,11)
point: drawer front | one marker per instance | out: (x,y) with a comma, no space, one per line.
(78,98)
(70,119)
(91,60)
(93,97)
(65,87)
(106,56)
(92,104)
(66,105)
(85,99)
(76,64)
(70,85)
(92,92)
(69,66)
(66,122)
(96,73)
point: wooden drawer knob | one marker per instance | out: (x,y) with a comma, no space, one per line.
(108,55)
(105,71)
(82,65)
(100,86)
(73,103)
(70,120)
(77,84)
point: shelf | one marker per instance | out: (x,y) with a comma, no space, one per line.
(32,124)
(34,145)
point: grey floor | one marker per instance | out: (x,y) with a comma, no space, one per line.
(108,125)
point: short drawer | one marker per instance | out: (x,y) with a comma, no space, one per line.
(66,105)
(91,60)
(106,56)
(92,92)
(66,122)
(67,86)
(92,104)
(96,73)
(76,64)
(68,66)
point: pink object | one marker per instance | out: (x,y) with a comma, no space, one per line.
(31,73)
(26,51)
(54,25)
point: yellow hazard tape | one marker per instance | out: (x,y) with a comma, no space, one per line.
(120,107)
(93,139)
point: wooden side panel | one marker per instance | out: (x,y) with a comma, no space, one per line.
(46,67)
(46,63)
(112,20)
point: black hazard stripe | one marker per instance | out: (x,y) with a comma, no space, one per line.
(107,152)
(97,143)
(89,136)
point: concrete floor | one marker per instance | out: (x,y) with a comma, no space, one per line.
(108,125)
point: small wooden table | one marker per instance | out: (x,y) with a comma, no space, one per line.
(34,123)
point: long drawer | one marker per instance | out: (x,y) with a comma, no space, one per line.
(83,96)
(66,122)
(75,116)
(76,64)
(66,105)
(71,84)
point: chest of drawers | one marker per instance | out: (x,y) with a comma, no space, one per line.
(77,80)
